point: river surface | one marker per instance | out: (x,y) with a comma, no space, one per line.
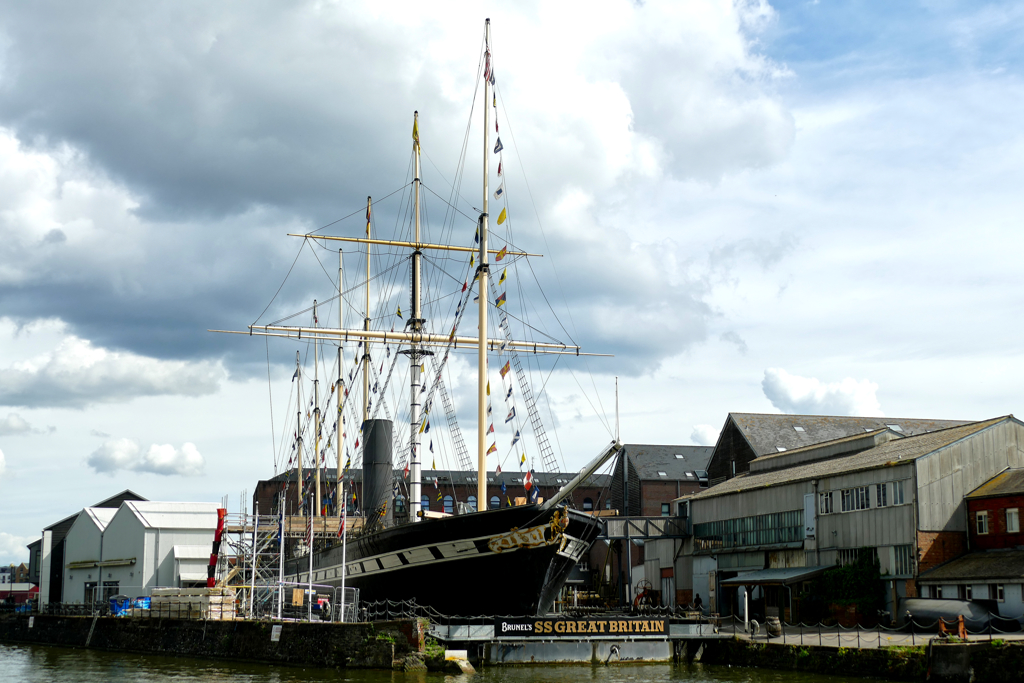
(46,664)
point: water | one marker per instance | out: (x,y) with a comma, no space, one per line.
(44,664)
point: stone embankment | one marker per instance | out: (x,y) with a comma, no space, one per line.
(377,645)
(993,662)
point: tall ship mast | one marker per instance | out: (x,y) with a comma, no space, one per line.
(528,549)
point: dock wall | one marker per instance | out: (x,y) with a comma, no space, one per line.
(327,645)
(997,662)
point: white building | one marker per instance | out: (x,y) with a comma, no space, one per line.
(144,545)
(83,547)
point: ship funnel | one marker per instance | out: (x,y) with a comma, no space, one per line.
(377,472)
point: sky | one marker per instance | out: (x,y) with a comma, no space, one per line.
(799,207)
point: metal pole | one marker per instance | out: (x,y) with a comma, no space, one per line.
(298,439)
(481,415)
(252,581)
(280,563)
(344,546)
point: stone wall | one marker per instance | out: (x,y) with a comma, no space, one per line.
(307,644)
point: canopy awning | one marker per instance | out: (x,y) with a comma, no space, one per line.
(775,577)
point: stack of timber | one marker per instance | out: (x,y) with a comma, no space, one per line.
(194,603)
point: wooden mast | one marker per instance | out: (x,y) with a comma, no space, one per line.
(366,322)
(298,437)
(316,416)
(481,438)
(416,323)
(339,426)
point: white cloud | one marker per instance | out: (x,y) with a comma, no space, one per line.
(3,464)
(76,374)
(127,454)
(14,425)
(704,435)
(12,548)
(810,396)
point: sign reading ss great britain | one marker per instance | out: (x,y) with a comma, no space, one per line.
(572,628)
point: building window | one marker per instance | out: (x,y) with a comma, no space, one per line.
(608,504)
(981,519)
(588,504)
(495,502)
(847,500)
(881,497)
(400,504)
(903,560)
(850,555)
(826,503)
(425,502)
(897,492)
(856,499)
(666,509)
(449,504)
(775,527)
(965,592)
(471,502)
(732,465)
(995,592)
(1012,521)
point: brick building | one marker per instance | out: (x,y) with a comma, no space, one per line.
(993,512)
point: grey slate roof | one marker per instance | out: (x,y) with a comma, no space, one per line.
(1007,565)
(650,459)
(766,432)
(1007,483)
(892,452)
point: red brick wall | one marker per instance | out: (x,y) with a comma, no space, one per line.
(997,537)
(939,547)
(654,493)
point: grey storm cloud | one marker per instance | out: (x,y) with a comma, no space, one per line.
(218,129)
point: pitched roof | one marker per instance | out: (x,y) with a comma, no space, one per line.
(100,516)
(886,454)
(994,564)
(677,462)
(766,432)
(1007,483)
(164,515)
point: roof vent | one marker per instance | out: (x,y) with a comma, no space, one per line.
(798,429)
(895,428)
(779,449)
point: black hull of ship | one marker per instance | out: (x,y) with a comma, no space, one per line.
(457,565)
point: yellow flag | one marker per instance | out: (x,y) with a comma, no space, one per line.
(502,216)
(416,131)
(471,260)
(523,459)
(501,254)
(492,449)
(501,281)
(488,387)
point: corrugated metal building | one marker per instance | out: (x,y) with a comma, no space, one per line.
(818,505)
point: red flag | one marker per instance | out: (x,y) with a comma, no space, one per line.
(528,480)
(464,285)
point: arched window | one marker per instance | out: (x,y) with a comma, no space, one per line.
(471,502)
(400,504)
(449,504)
(425,502)
(588,504)
(495,502)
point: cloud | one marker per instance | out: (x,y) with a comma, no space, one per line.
(704,435)
(77,374)
(127,454)
(810,396)
(733,338)
(13,548)
(100,434)
(3,464)
(14,424)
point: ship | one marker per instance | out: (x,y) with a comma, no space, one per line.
(509,561)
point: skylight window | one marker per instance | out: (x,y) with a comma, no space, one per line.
(779,449)
(868,429)
(662,474)
(798,429)
(679,456)
(895,428)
